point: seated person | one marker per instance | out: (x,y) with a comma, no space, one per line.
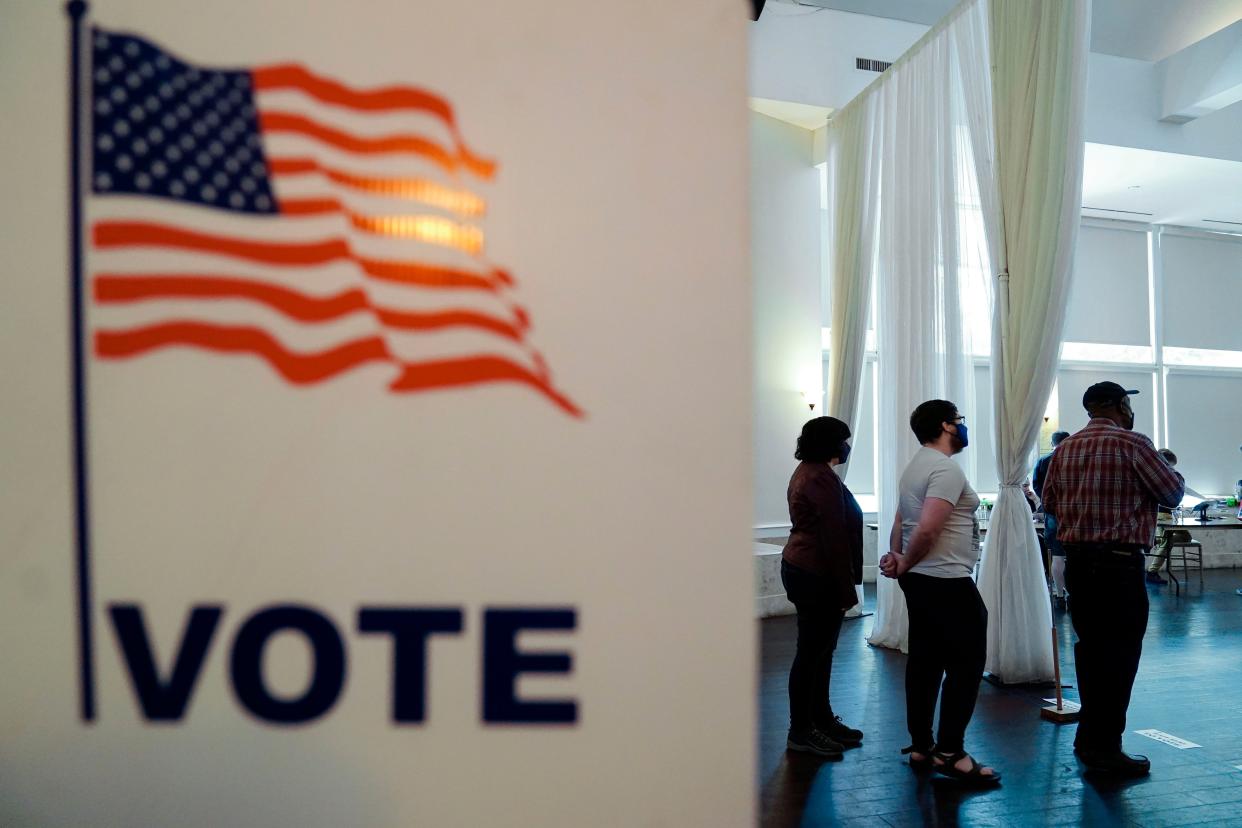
(1169,536)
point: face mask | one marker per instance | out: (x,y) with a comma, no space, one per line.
(844,453)
(963,436)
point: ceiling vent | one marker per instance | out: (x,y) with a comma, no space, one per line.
(872,65)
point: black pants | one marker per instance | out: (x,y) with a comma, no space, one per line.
(1109,612)
(819,624)
(949,642)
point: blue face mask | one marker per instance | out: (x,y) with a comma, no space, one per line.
(963,435)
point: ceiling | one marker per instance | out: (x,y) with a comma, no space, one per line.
(1140,29)
(806,116)
(1162,188)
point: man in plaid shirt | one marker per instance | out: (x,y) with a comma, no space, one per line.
(1104,485)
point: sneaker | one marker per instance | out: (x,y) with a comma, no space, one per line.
(814,741)
(1154,578)
(839,731)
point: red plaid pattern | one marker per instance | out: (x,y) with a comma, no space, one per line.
(1104,484)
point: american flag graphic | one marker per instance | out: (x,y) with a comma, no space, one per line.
(277,214)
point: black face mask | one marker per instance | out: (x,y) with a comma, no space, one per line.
(1127,415)
(844,452)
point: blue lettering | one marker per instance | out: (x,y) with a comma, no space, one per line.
(410,629)
(327,674)
(503,663)
(163,700)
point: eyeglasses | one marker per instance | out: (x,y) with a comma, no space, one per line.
(957,420)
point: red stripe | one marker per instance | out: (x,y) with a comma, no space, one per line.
(464,237)
(304,369)
(455,200)
(270,121)
(388,98)
(292,166)
(475,370)
(299,369)
(113,288)
(111,234)
(310,206)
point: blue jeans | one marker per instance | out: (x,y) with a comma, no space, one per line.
(1050,536)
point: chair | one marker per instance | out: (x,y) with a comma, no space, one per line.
(1187,551)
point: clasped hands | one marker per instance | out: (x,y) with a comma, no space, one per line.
(894,564)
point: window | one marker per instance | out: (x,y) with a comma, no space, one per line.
(1205,429)
(1155,309)
(1152,308)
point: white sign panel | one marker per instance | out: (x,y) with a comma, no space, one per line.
(1168,739)
(375,408)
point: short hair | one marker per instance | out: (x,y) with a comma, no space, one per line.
(821,440)
(1169,456)
(1058,436)
(926,420)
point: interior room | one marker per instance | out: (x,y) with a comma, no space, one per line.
(1152,261)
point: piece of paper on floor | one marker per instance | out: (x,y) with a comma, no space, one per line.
(1168,739)
(1066,704)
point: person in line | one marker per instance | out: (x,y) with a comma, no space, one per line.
(820,566)
(1169,536)
(1055,549)
(932,556)
(1104,485)
(1032,502)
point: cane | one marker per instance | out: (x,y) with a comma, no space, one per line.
(1058,713)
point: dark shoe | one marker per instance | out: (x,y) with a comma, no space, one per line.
(1114,761)
(839,731)
(927,763)
(814,741)
(974,778)
(1154,578)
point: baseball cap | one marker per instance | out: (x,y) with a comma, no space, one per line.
(1105,392)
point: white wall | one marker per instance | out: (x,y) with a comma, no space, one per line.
(798,54)
(785,258)
(806,56)
(1123,108)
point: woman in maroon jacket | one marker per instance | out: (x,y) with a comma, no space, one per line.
(821,563)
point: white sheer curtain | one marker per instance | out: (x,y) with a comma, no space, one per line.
(1039,82)
(853,161)
(979,122)
(926,189)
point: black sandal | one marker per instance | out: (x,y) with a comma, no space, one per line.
(928,761)
(975,777)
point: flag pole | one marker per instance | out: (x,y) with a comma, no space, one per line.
(76,9)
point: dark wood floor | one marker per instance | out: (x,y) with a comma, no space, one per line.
(1189,685)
